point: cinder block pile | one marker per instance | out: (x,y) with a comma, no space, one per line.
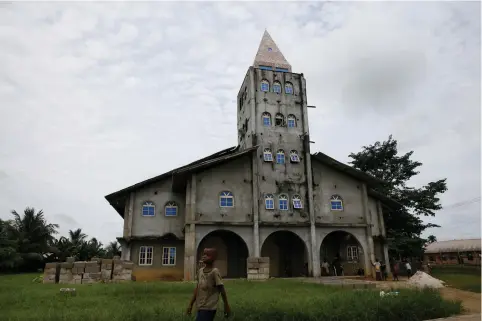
(258,268)
(65,273)
(78,272)
(51,272)
(106,270)
(122,271)
(91,273)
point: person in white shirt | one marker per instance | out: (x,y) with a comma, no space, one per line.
(326,266)
(409,269)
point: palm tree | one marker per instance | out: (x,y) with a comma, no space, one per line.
(113,249)
(94,248)
(9,257)
(431,239)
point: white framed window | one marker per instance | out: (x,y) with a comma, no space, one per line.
(267,155)
(283,202)
(336,203)
(352,253)
(264,85)
(269,201)
(170,209)
(148,209)
(145,255)
(279,120)
(226,199)
(267,119)
(168,256)
(297,202)
(277,87)
(294,157)
(289,88)
(280,156)
(291,121)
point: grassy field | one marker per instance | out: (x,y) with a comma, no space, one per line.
(22,299)
(461,277)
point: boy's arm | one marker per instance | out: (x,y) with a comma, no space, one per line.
(220,286)
(193,299)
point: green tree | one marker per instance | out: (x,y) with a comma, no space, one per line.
(93,248)
(9,257)
(404,225)
(77,243)
(431,239)
(112,249)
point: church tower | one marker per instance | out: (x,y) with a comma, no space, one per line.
(272,114)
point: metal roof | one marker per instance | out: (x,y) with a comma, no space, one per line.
(453,246)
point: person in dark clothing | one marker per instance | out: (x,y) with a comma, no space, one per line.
(383,268)
(337,269)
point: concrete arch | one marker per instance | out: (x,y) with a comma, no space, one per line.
(350,250)
(288,254)
(232,251)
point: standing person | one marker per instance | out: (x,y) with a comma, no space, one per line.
(383,268)
(378,272)
(209,286)
(395,270)
(409,269)
(326,266)
(336,264)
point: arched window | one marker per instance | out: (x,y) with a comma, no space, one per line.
(280,120)
(269,201)
(170,209)
(148,209)
(283,202)
(297,201)
(294,158)
(280,156)
(264,85)
(277,87)
(226,199)
(289,88)
(266,119)
(267,155)
(336,203)
(291,121)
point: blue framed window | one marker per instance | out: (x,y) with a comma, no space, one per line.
(277,87)
(294,157)
(280,157)
(336,203)
(226,199)
(269,201)
(170,209)
(291,121)
(297,202)
(282,69)
(148,209)
(283,202)
(289,88)
(265,67)
(168,256)
(267,155)
(264,85)
(267,119)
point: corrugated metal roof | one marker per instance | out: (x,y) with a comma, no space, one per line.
(453,246)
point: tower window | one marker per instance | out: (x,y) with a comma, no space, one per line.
(269,201)
(148,209)
(266,119)
(282,69)
(289,88)
(277,87)
(280,156)
(297,202)
(283,202)
(267,156)
(280,120)
(294,157)
(291,121)
(270,49)
(170,209)
(226,199)
(336,203)
(264,85)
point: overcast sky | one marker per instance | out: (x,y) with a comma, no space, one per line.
(95,97)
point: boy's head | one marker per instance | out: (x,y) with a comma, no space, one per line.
(209,255)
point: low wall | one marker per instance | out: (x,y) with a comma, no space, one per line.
(258,268)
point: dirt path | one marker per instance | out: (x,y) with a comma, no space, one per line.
(470,300)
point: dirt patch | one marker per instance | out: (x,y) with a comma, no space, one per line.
(470,300)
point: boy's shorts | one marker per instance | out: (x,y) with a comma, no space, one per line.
(205,315)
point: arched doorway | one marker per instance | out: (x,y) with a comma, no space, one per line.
(348,249)
(232,253)
(288,255)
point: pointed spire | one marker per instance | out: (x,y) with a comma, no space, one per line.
(269,54)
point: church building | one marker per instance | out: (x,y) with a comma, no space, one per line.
(268,196)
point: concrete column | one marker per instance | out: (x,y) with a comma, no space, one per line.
(255,185)
(190,251)
(128,215)
(381,223)
(371,245)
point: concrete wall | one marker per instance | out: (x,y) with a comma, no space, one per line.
(235,177)
(160,193)
(375,220)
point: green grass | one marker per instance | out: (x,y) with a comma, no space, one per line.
(21,299)
(460,277)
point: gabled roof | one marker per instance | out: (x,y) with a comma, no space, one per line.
(453,246)
(269,54)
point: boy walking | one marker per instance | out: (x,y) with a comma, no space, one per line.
(209,286)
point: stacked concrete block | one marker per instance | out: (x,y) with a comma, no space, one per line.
(65,273)
(258,268)
(122,271)
(106,270)
(91,273)
(78,272)
(51,272)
